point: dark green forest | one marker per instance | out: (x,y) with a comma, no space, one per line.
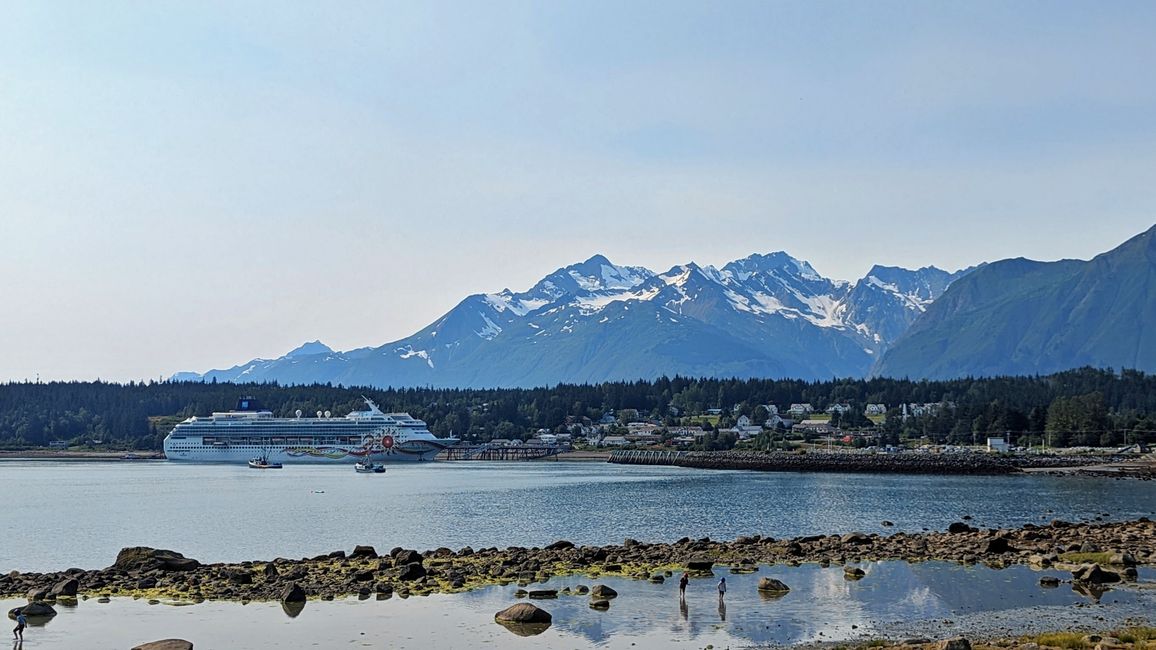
(1078,407)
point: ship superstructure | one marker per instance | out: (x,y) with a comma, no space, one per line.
(236,436)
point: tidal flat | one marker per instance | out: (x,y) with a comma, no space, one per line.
(893,600)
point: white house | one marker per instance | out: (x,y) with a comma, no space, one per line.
(875,409)
(801,409)
(613,441)
(998,445)
(839,408)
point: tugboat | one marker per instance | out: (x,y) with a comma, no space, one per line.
(262,462)
(368,467)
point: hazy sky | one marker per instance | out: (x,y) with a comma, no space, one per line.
(189,185)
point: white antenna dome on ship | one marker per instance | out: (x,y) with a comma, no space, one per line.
(319,414)
(327,414)
(298,413)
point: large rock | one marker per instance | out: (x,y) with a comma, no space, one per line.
(523,613)
(958,643)
(143,558)
(412,571)
(958,527)
(364,551)
(404,557)
(700,564)
(1094,574)
(38,594)
(998,545)
(32,610)
(771,585)
(293,593)
(65,588)
(165,644)
(603,592)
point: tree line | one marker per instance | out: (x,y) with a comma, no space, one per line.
(1078,407)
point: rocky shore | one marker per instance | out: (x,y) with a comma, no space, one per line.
(1114,549)
(964,463)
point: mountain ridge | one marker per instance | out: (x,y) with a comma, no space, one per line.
(763,315)
(1019,316)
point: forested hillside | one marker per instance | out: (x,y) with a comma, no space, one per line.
(1080,407)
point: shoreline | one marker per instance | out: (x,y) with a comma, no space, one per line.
(963,463)
(64,454)
(152,573)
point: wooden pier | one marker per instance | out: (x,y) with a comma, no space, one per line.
(501,452)
(640,457)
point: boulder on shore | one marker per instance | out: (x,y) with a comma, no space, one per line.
(1094,574)
(32,610)
(165,644)
(602,591)
(771,585)
(143,558)
(957,643)
(66,588)
(364,551)
(523,613)
(293,593)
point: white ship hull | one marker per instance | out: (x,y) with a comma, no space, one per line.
(298,455)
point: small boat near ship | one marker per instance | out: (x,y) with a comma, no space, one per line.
(262,462)
(368,467)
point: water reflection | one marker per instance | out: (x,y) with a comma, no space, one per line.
(293,610)
(821,606)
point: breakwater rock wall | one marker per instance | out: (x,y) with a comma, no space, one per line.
(818,461)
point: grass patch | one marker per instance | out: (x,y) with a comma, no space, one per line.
(1067,640)
(1136,634)
(1087,558)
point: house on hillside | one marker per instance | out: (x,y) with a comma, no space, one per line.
(801,409)
(745,430)
(839,408)
(818,427)
(776,420)
(875,409)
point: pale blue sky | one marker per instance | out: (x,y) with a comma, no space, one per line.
(188,185)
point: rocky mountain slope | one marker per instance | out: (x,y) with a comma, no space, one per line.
(761,316)
(1018,317)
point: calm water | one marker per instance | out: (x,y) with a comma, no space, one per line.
(64,514)
(894,600)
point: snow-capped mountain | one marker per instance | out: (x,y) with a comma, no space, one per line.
(761,316)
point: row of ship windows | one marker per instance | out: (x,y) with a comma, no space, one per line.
(288,440)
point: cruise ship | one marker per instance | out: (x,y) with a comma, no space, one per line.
(236,436)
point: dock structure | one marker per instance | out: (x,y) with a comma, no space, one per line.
(501,452)
(642,457)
